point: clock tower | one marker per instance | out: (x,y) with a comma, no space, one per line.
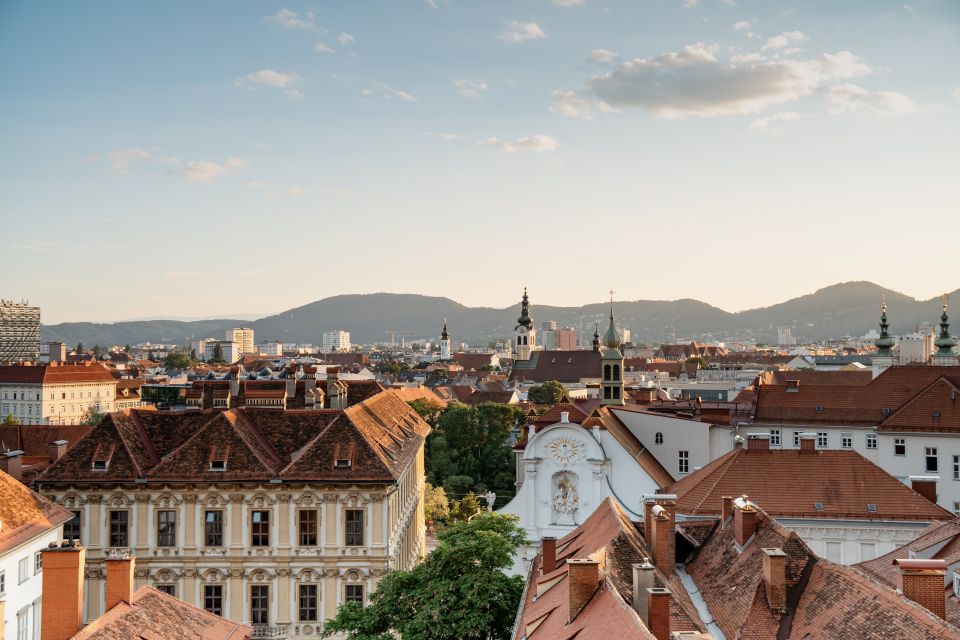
(525,339)
(444,342)
(612,361)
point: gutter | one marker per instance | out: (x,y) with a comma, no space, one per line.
(699,603)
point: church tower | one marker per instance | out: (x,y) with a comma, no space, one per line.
(883,359)
(596,337)
(945,357)
(444,342)
(611,361)
(525,334)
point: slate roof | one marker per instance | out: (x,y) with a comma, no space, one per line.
(562,366)
(789,483)
(379,437)
(25,514)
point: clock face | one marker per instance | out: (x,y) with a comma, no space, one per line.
(521,329)
(565,449)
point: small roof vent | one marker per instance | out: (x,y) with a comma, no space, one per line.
(818,506)
(871,507)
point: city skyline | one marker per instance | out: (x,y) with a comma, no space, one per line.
(784,146)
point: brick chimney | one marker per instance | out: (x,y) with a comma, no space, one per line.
(119,579)
(56,449)
(663,539)
(775,578)
(643,579)
(727,508)
(584,576)
(808,443)
(744,520)
(658,611)
(62,607)
(648,502)
(11,462)
(758,442)
(925,486)
(548,554)
(923,582)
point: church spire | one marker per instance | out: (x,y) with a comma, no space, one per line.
(596,336)
(884,343)
(611,362)
(612,338)
(945,342)
(444,335)
(525,320)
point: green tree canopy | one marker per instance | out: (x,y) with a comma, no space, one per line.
(459,592)
(427,409)
(10,420)
(550,392)
(178,361)
(91,417)
(217,356)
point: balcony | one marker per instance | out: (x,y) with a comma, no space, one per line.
(265,631)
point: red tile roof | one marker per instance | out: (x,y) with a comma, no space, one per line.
(55,374)
(24,514)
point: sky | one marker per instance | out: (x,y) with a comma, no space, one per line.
(191,159)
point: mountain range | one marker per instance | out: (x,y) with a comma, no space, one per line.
(850,308)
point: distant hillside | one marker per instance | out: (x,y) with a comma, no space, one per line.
(850,308)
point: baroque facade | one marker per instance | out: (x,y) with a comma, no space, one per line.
(278,533)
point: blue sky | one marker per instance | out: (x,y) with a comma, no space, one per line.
(204,158)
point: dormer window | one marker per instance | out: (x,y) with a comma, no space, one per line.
(218,465)
(100,465)
(342,463)
(101,456)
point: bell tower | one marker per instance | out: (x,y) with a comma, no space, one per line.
(945,343)
(611,361)
(444,342)
(883,359)
(524,333)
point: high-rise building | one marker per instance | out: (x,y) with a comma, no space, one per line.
(566,339)
(334,341)
(19,331)
(243,336)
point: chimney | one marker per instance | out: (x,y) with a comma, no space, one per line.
(663,539)
(922,581)
(119,579)
(758,442)
(56,450)
(643,579)
(808,443)
(333,373)
(62,607)
(564,417)
(775,578)
(727,509)
(583,575)
(658,611)
(648,502)
(744,521)
(548,554)
(925,486)
(11,462)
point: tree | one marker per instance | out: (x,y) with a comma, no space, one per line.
(96,351)
(550,392)
(193,354)
(459,592)
(91,417)
(426,409)
(465,508)
(79,347)
(217,356)
(178,361)
(127,349)
(10,420)
(436,506)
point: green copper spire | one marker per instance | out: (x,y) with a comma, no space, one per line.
(596,336)
(525,319)
(612,338)
(945,342)
(884,342)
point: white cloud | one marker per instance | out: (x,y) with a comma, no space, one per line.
(346,39)
(567,102)
(516,31)
(690,4)
(539,143)
(449,136)
(956,93)
(784,40)
(385,90)
(742,25)
(121,160)
(259,186)
(269,78)
(693,82)
(602,56)
(322,48)
(568,3)
(471,89)
(199,171)
(763,124)
(851,98)
(290,20)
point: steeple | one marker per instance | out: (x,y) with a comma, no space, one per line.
(596,337)
(611,362)
(525,335)
(945,342)
(444,342)
(444,335)
(525,320)
(885,342)
(611,339)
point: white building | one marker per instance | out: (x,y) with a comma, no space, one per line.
(243,336)
(336,340)
(231,350)
(199,346)
(30,524)
(274,348)
(56,393)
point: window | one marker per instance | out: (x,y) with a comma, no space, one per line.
(956,467)
(353,532)
(846,440)
(932,459)
(37,562)
(774,437)
(166,528)
(899,447)
(260,604)
(22,622)
(213,529)
(308,528)
(871,441)
(796,439)
(606,372)
(658,438)
(218,465)
(823,439)
(3,583)
(36,618)
(354,593)
(169,589)
(119,528)
(23,571)
(260,531)
(213,599)
(616,372)
(683,462)
(956,508)
(308,603)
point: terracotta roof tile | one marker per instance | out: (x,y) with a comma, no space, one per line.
(25,514)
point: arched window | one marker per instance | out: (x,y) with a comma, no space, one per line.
(606,372)
(658,439)
(616,372)
(519,340)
